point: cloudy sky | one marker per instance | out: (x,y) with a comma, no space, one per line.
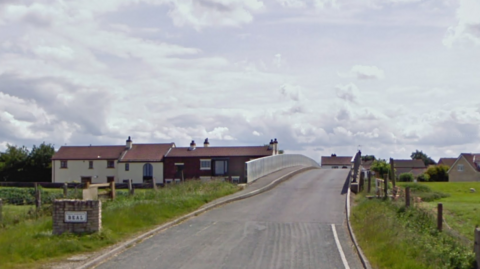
(321,76)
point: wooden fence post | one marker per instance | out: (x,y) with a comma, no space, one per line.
(362,180)
(131,191)
(407,197)
(392,173)
(65,190)
(386,186)
(476,247)
(439,216)
(113,193)
(38,197)
(154,184)
(369,175)
(1,205)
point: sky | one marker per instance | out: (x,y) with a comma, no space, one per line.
(387,77)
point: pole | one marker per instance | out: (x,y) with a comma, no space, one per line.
(439,216)
(112,190)
(65,190)
(154,184)
(38,201)
(362,180)
(369,175)
(130,187)
(386,186)
(392,173)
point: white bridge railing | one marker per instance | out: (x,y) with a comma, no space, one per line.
(258,168)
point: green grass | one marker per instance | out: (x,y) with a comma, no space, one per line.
(392,237)
(30,244)
(461,208)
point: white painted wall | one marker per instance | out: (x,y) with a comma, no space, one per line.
(78,169)
(136,172)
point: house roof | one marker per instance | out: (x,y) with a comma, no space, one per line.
(146,152)
(88,153)
(408,164)
(472,158)
(259,151)
(447,161)
(336,160)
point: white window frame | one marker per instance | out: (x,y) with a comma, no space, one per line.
(205,164)
(460,168)
(236,179)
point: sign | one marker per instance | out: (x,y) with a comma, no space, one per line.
(76,216)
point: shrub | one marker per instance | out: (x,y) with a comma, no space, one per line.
(405,177)
(423,178)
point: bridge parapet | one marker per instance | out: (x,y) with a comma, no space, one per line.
(258,168)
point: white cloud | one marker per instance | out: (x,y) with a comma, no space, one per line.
(348,92)
(468,28)
(367,72)
(293,92)
(204,13)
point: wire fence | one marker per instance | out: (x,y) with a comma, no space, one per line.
(258,168)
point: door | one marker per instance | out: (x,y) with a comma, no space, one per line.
(147,172)
(221,167)
(86,179)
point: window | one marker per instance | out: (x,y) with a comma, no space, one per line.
(147,171)
(110,179)
(221,167)
(460,168)
(127,167)
(110,164)
(235,179)
(63,164)
(90,164)
(335,167)
(205,164)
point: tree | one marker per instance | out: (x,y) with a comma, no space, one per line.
(419,155)
(381,167)
(438,172)
(368,158)
(41,157)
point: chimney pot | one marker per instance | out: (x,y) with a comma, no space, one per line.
(192,145)
(206,144)
(129,143)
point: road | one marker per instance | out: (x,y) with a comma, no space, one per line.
(291,226)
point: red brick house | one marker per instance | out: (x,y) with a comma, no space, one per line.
(208,162)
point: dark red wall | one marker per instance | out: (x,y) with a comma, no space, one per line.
(236,166)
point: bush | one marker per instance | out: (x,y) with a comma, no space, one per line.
(423,178)
(425,192)
(405,177)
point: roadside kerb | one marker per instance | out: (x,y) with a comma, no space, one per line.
(100,259)
(363,259)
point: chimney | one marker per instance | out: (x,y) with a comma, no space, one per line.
(206,144)
(334,155)
(192,146)
(129,143)
(270,146)
(275,146)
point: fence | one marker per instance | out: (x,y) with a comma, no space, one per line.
(258,168)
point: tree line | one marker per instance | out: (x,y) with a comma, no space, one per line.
(19,164)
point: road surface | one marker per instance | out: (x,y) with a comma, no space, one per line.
(299,224)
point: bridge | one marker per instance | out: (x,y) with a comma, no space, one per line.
(294,217)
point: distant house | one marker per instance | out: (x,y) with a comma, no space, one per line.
(336,162)
(100,164)
(465,168)
(205,163)
(446,161)
(416,167)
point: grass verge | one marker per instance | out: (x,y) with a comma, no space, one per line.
(30,244)
(394,237)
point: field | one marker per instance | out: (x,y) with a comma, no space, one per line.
(393,236)
(28,242)
(461,208)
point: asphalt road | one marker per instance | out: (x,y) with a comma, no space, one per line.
(287,227)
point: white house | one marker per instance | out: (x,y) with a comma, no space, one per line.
(101,164)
